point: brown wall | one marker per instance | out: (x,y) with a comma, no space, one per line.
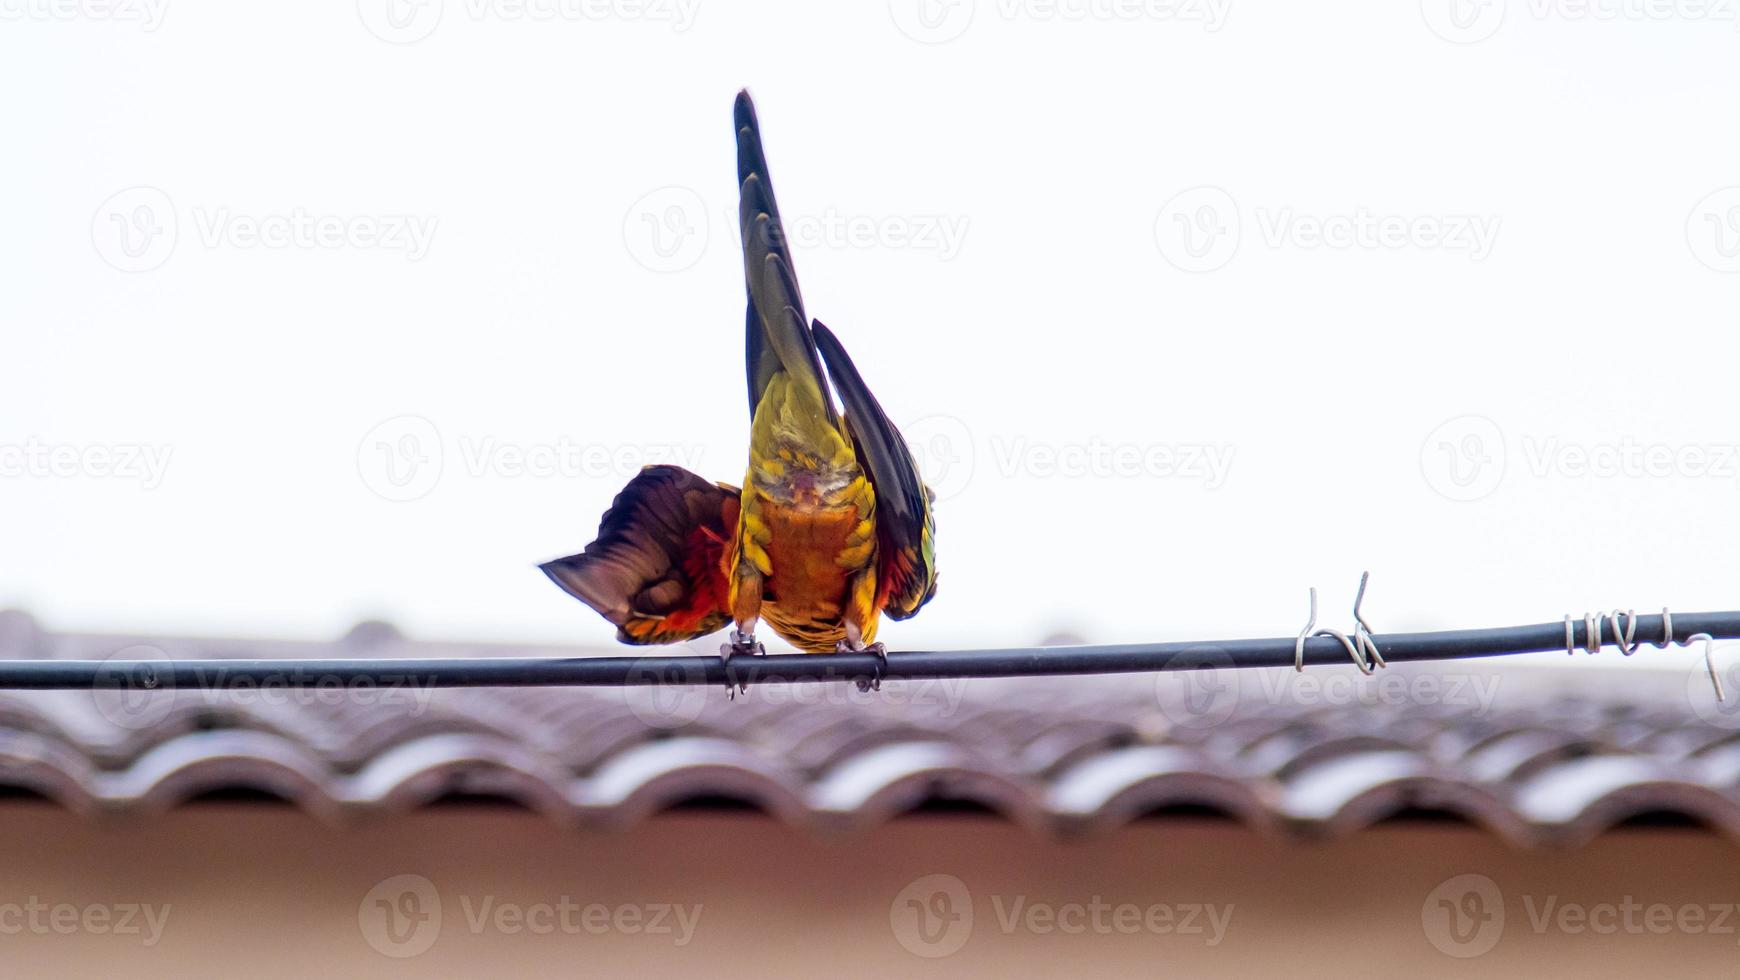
(261,891)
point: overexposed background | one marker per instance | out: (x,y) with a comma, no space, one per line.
(1075,247)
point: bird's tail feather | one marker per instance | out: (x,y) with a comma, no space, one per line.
(777,332)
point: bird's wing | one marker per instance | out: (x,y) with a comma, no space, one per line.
(654,570)
(905,529)
(777,334)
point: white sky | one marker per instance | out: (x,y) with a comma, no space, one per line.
(1053,316)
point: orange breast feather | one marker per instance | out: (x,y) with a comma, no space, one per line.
(804,599)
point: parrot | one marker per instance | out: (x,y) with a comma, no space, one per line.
(832,527)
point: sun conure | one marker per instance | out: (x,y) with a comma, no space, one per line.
(832,527)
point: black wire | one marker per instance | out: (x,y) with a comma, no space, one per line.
(681,670)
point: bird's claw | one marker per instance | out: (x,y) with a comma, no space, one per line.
(874,681)
(744,644)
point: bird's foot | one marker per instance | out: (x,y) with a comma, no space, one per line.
(874,681)
(744,644)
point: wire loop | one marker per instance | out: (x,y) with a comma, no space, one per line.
(1626,639)
(1710,661)
(1361,648)
(1362,629)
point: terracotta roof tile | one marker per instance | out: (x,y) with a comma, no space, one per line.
(1553,758)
